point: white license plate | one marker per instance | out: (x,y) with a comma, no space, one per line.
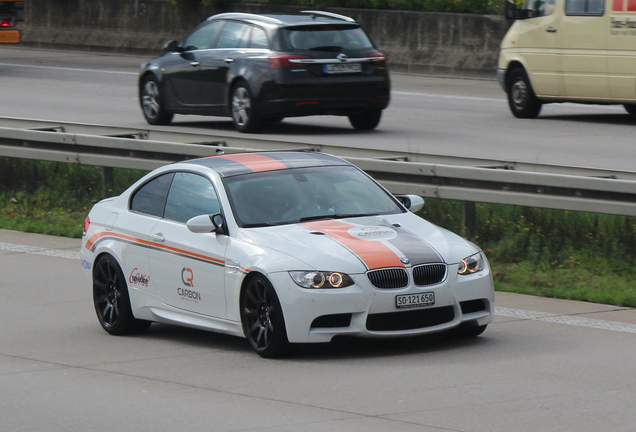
(342,68)
(415,300)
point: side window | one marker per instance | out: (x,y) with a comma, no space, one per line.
(190,195)
(233,35)
(202,37)
(259,39)
(584,7)
(150,198)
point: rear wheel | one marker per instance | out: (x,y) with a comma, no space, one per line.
(111,299)
(521,98)
(630,108)
(366,120)
(151,103)
(244,116)
(262,318)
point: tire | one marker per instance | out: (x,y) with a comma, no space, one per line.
(521,98)
(630,108)
(262,318)
(466,330)
(366,120)
(111,299)
(244,116)
(151,103)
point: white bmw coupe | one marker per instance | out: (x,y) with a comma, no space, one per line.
(279,248)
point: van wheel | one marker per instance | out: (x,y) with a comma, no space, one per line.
(521,98)
(630,108)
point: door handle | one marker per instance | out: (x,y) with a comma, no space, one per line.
(157,237)
(551,30)
(194,63)
(228,60)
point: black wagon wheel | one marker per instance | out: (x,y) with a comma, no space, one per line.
(262,318)
(366,120)
(521,98)
(152,103)
(111,300)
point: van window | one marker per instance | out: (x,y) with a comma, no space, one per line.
(584,7)
(537,8)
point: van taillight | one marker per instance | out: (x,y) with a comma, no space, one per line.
(284,61)
(381,61)
(87,224)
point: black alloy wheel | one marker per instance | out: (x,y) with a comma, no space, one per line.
(521,98)
(112,303)
(366,119)
(151,103)
(262,318)
(244,116)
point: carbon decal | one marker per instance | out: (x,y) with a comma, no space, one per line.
(416,250)
(92,243)
(374,254)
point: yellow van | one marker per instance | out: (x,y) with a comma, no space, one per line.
(569,51)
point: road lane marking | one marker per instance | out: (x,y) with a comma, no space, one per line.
(566,319)
(68,69)
(32,250)
(499,311)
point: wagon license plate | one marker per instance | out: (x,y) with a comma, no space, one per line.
(415,300)
(342,68)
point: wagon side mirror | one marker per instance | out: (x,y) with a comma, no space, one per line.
(413,203)
(172,46)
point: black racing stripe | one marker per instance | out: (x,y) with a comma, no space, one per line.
(414,248)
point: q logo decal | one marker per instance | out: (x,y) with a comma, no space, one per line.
(187,277)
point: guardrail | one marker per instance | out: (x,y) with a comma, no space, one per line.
(465,179)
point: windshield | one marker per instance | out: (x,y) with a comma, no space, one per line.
(321,38)
(303,194)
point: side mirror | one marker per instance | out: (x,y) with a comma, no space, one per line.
(206,224)
(413,203)
(172,46)
(511,10)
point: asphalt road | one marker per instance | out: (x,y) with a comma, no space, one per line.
(543,365)
(432,115)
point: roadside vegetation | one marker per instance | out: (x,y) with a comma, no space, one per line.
(484,7)
(551,253)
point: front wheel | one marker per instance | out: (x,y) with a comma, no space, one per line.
(262,318)
(152,104)
(244,116)
(366,120)
(111,299)
(521,98)
(467,330)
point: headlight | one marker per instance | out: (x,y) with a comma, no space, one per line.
(472,264)
(320,279)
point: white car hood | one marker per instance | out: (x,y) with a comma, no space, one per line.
(359,244)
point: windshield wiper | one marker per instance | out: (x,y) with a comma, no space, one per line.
(335,216)
(263,224)
(326,48)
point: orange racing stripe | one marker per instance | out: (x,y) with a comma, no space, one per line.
(374,254)
(255,162)
(96,237)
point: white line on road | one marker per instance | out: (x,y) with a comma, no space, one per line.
(68,69)
(499,311)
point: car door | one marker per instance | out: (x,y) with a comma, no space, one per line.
(183,70)
(583,42)
(621,59)
(215,63)
(188,268)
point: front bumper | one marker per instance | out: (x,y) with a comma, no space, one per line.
(364,311)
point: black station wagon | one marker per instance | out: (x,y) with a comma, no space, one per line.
(263,68)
